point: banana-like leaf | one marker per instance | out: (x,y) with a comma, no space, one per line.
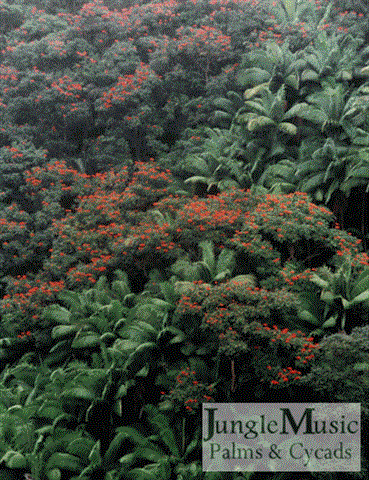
(256,107)
(73,299)
(319,281)
(220,116)
(252,92)
(161,422)
(141,474)
(309,75)
(361,367)
(331,322)
(361,137)
(226,261)
(203,271)
(80,447)
(196,179)
(310,166)
(61,331)
(252,76)
(313,61)
(122,441)
(359,172)
(57,313)
(293,81)
(259,123)
(208,257)
(313,182)
(308,317)
(361,284)
(327,296)
(243,118)
(78,393)
(224,104)
(282,188)
(145,353)
(168,291)
(287,127)
(14,460)
(361,298)
(236,99)
(276,111)
(64,461)
(334,186)
(306,112)
(365,71)
(86,340)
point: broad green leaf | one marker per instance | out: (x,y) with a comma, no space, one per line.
(288,128)
(131,433)
(14,459)
(226,261)
(331,322)
(306,112)
(319,281)
(259,123)
(310,166)
(313,182)
(124,346)
(196,179)
(86,340)
(222,276)
(361,284)
(346,304)
(327,296)
(54,474)
(151,452)
(193,444)
(127,460)
(362,297)
(252,76)
(293,81)
(361,172)
(64,461)
(309,75)
(252,92)
(80,447)
(78,393)
(361,367)
(219,116)
(161,303)
(50,409)
(141,474)
(57,313)
(361,138)
(73,299)
(168,291)
(208,256)
(121,288)
(308,317)
(161,422)
(146,352)
(64,331)
(120,441)
(203,271)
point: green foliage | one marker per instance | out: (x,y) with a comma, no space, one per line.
(345,299)
(263,119)
(128,301)
(340,370)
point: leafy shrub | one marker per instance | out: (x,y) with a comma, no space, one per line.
(341,362)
